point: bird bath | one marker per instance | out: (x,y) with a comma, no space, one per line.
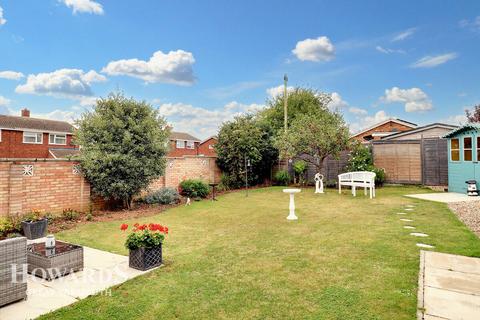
(292,192)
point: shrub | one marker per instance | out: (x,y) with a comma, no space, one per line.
(360,158)
(163,196)
(379,175)
(89,216)
(70,214)
(300,167)
(282,178)
(6,226)
(194,188)
(34,215)
(144,236)
(226,182)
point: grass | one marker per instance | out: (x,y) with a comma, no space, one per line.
(239,258)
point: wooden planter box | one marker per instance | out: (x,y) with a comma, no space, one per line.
(53,263)
(35,230)
(13,252)
(144,259)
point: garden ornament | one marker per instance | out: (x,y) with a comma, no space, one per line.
(318,183)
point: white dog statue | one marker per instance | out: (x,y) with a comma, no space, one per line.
(318,183)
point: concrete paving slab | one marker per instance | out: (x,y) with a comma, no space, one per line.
(445,197)
(449,287)
(102,270)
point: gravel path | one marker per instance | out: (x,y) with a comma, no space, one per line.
(469,213)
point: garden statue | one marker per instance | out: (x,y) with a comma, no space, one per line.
(318,183)
(188,202)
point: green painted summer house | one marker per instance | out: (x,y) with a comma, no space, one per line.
(463,157)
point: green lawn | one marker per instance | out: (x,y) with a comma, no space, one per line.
(239,258)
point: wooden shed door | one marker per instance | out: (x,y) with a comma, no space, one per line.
(435,162)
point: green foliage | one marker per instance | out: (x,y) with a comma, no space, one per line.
(360,158)
(124,144)
(194,188)
(144,239)
(70,214)
(379,175)
(34,215)
(225,183)
(89,217)
(163,196)
(300,167)
(282,177)
(245,137)
(6,226)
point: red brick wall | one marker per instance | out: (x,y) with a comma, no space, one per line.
(53,187)
(12,146)
(179,169)
(180,152)
(204,149)
(387,127)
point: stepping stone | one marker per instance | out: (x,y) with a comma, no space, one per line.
(401,213)
(408,227)
(426,246)
(418,234)
(409,209)
(406,220)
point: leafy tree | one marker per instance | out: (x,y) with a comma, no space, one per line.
(360,158)
(244,137)
(123,147)
(315,136)
(473,116)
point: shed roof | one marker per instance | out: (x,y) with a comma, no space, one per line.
(420,129)
(468,126)
(20,123)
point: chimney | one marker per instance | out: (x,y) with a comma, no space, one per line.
(25,113)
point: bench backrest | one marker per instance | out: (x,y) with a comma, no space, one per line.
(357,176)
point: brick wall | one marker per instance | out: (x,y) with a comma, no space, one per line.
(194,167)
(54,186)
(206,148)
(390,126)
(12,146)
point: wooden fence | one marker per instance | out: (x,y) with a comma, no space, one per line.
(421,161)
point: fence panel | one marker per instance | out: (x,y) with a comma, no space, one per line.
(400,159)
(435,162)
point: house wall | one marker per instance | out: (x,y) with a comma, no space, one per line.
(53,187)
(430,133)
(461,171)
(387,127)
(12,146)
(205,149)
(180,152)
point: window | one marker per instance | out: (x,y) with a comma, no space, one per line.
(478,148)
(455,150)
(467,149)
(57,139)
(190,145)
(32,137)
(180,144)
(210,146)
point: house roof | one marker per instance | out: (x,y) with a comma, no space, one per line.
(174,135)
(399,121)
(211,137)
(468,126)
(22,123)
(420,129)
(63,153)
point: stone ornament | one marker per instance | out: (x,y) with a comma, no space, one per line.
(28,170)
(76,169)
(318,183)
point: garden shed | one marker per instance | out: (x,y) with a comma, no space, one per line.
(463,157)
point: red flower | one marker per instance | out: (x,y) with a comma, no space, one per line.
(124,227)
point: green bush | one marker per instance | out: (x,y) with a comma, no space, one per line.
(70,214)
(89,216)
(360,159)
(226,183)
(300,167)
(6,226)
(379,175)
(163,196)
(282,178)
(194,188)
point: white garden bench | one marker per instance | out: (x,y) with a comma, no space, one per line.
(365,179)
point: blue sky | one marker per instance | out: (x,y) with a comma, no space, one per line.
(201,62)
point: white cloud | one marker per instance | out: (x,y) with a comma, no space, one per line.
(388,50)
(11,75)
(337,102)
(473,24)
(319,49)
(278,90)
(433,61)
(458,119)
(172,67)
(357,111)
(63,83)
(367,121)
(404,34)
(201,121)
(68,115)
(415,99)
(4,101)
(2,19)
(84,6)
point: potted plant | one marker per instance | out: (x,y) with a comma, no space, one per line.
(34,225)
(145,245)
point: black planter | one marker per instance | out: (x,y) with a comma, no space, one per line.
(35,229)
(145,258)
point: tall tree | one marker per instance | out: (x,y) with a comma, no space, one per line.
(124,143)
(245,138)
(473,116)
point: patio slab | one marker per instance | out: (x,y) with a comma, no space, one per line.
(102,270)
(449,286)
(445,197)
